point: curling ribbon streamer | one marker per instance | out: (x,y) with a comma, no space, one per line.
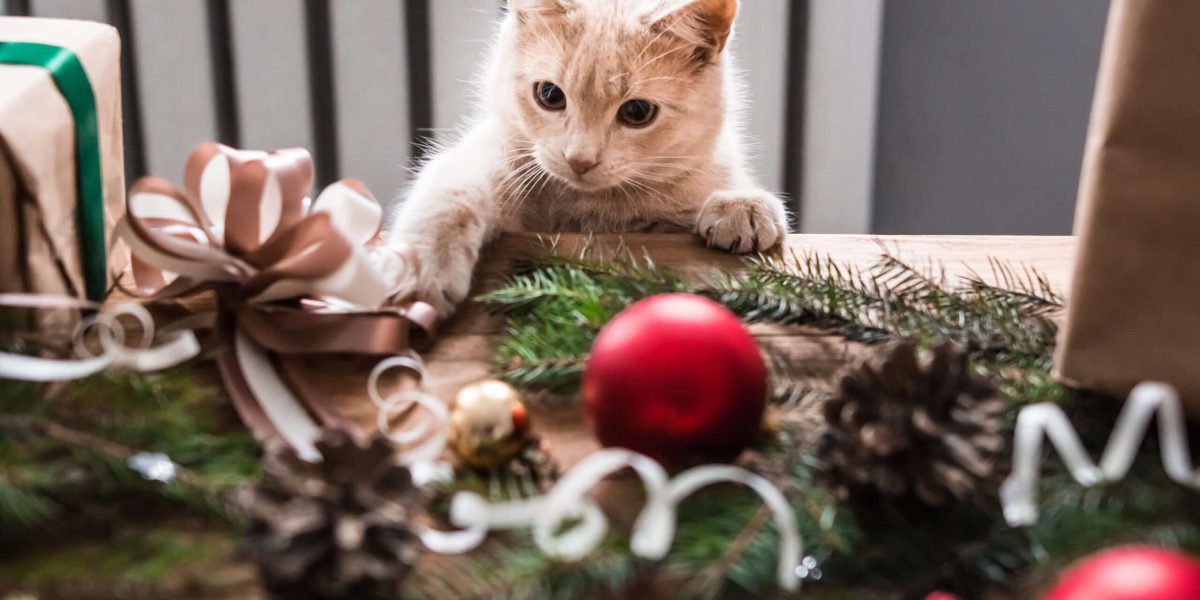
(111,335)
(1018,494)
(653,532)
(423,442)
(72,82)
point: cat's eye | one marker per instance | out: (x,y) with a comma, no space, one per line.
(637,113)
(549,96)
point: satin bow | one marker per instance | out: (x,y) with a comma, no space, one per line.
(296,276)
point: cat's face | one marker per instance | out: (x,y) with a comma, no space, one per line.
(615,93)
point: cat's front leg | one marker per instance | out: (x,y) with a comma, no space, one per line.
(742,220)
(448,215)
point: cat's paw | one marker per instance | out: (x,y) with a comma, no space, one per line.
(442,279)
(742,221)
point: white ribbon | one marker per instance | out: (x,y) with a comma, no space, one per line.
(653,532)
(110,333)
(1018,494)
(423,457)
(281,407)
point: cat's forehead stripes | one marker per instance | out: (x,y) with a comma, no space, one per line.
(604,53)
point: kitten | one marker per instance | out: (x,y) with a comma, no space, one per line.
(596,116)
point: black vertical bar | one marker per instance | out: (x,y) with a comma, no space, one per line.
(17,8)
(319,37)
(120,14)
(420,80)
(220,43)
(797,69)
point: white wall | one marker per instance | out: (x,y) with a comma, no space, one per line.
(983,114)
(372,95)
(840,114)
(461,32)
(174,68)
(760,43)
(372,90)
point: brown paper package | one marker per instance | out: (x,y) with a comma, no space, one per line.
(1134,312)
(39,242)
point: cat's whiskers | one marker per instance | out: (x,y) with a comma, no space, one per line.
(645,193)
(512,182)
(531,182)
(672,165)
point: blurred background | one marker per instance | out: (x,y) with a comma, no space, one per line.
(874,116)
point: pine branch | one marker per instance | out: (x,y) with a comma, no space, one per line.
(71,448)
(113,458)
(553,375)
(24,507)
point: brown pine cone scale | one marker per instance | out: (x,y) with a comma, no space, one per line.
(916,426)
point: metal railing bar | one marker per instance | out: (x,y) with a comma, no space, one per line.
(120,14)
(323,103)
(225,98)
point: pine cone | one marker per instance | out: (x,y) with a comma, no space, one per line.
(914,427)
(536,465)
(339,528)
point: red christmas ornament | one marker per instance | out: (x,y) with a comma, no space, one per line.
(678,378)
(1130,573)
(941,596)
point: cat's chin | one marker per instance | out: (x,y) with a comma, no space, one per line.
(586,187)
(580,185)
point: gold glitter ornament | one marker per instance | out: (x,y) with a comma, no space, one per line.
(488,424)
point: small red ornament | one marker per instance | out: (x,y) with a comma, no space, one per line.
(941,596)
(678,378)
(1131,573)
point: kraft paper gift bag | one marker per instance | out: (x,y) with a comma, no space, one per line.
(61,165)
(1134,311)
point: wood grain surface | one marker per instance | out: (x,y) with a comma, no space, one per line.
(461,354)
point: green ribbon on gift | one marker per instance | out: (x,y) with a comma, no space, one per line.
(73,83)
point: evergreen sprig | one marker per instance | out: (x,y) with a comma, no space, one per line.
(67,446)
(556,307)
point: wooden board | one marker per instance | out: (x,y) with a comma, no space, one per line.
(462,352)
(465,344)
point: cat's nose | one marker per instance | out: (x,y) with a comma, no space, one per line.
(581,165)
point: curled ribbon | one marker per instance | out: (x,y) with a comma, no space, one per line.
(1018,494)
(293,276)
(112,336)
(423,441)
(653,531)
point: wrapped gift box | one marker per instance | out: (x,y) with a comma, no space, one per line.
(61,163)
(1134,313)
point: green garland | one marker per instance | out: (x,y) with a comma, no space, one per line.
(556,306)
(74,515)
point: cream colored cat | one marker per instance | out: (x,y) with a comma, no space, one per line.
(595,116)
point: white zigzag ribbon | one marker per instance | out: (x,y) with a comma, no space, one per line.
(653,531)
(1018,494)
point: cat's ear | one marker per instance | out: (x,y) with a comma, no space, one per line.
(704,23)
(539,8)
